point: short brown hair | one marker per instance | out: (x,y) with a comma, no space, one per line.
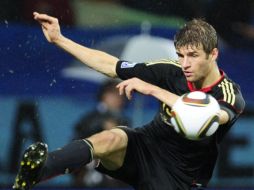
(195,33)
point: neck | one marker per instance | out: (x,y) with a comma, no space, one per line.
(212,77)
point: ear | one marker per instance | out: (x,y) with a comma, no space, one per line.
(214,54)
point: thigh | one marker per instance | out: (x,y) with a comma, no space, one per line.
(143,167)
(128,172)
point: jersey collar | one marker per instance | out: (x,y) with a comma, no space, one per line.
(209,88)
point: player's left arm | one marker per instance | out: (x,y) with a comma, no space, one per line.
(223,117)
(129,86)
(231,103)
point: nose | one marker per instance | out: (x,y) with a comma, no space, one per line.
(185,63)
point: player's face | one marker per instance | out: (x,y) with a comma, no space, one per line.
(195,62)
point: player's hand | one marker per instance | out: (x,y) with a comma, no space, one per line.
(50,26)
(127,87)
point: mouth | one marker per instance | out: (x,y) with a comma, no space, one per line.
(188,74)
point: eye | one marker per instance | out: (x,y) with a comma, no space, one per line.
(179,55)
(194,55)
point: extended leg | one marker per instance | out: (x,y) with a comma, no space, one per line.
(31,165)
(109,146)
(37,164)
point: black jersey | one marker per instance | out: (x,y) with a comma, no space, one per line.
(191,160)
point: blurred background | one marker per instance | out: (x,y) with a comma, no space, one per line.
(47,95)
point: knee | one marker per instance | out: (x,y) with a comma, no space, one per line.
(111,139)
(108,142)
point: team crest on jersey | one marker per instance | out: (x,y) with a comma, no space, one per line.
(126,64)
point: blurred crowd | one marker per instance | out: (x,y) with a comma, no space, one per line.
(107,114)
(233,19)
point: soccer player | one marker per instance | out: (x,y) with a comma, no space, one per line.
(154,156)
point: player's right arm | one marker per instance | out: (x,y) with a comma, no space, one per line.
(98,60)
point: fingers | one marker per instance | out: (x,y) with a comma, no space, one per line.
(44,18)
(128,91)
(126,88)
(44,25)
(121,87)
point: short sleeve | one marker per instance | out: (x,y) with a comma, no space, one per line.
(231,99)
(152,72)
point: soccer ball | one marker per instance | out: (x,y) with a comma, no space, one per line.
(195,115)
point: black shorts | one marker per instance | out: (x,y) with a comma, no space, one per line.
(142,167)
